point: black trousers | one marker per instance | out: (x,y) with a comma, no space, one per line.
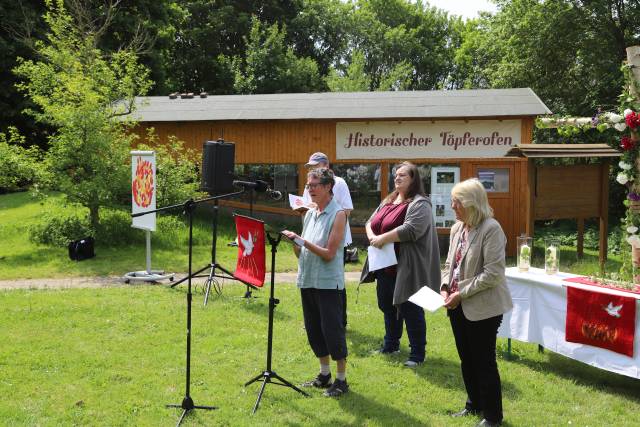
(322,310)
(343,292)
(476,344)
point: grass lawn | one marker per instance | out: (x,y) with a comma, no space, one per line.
(116,356)
(20,258)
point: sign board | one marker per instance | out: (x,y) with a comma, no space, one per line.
(443,178)
(426,139)
(143,188)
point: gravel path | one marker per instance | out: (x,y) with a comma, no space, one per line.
(100,282)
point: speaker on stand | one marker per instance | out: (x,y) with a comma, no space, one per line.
(218,159)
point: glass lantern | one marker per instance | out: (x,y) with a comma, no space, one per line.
(525,249)
(552,256)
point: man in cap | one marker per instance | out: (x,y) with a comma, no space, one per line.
(343,198)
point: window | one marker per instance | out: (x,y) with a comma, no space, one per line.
(280,177)
(494,180)
(364,185)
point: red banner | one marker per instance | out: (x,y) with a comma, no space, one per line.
(601,320)
(251,257)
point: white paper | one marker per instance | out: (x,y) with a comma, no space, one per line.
(381,258)
(427,298)
(297,202)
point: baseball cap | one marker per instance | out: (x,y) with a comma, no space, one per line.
(316,158)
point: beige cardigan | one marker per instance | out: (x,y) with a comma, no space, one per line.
(483,284)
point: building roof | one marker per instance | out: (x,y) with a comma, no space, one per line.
(344,105)
(563,150)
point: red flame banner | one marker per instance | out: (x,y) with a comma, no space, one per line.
(601,320)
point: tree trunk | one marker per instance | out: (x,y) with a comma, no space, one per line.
(94,216)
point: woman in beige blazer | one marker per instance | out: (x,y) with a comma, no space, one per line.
(476,296)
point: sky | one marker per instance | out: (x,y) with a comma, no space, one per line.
(465,8)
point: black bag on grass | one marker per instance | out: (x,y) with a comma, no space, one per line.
(81,249)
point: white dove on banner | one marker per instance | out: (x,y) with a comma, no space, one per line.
(612,310)
(247,249)
(247,244)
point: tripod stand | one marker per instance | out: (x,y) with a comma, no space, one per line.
(267,376)
(213,265)
(188,208)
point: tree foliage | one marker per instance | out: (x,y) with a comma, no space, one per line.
(271,66)
(18,163)
(83,94)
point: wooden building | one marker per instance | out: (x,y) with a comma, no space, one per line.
(450,135)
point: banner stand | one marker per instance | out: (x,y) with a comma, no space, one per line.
(148,275)
(143,200)
(268,375)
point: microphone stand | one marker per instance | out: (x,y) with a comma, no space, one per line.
(187,404)
(267,376)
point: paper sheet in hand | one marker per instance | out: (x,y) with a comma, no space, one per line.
(297,202)
(381,258)
(427,298)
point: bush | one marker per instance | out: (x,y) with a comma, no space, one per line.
(114,230)
(60,229)
(176,170)
(18,165)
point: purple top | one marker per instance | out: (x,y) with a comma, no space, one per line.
(388,218)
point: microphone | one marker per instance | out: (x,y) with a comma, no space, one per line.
(275,194)
(260,187)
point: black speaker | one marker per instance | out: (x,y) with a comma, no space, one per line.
(218,158)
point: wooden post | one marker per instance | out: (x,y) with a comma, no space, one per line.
(580,240)
(633,59)
(384,180)
(531,197)
(604,212)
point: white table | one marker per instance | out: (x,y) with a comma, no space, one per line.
(539,315)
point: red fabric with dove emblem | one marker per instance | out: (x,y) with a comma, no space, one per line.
(601,320)
(250,267)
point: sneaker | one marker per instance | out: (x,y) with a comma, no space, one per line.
(384,350)
(321,381)
(337,389)
(412,363)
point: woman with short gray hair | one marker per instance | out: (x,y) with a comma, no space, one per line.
(321,278)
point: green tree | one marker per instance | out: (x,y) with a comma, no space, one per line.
(568,52)
(271,66)
(84,94)
(210,32)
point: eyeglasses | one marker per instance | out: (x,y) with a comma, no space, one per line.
(313,185)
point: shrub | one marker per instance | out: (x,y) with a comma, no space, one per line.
(18,165)
(60,229)
(114,229)
(176,170)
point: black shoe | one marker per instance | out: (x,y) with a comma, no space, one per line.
(486,423)
(337,389)
(321,381)
(465,412)
(413,363)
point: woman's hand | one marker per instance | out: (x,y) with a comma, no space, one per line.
(452,301)
(444,293)
(290,234)
(377,241)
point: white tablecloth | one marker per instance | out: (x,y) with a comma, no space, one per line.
(539,316)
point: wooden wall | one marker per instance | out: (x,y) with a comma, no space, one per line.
(292,141)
